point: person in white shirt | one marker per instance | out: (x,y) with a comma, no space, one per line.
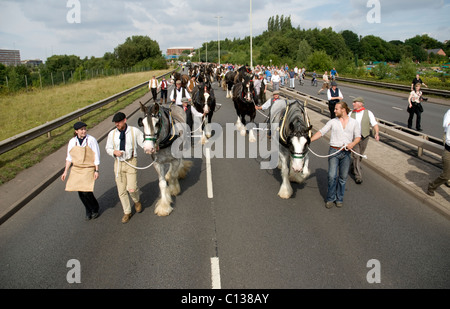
(83,153)
(345,134)
(366,121)
(445,175)
(325,85)
(275,81)
(178,93)
(122,146)
(153,87)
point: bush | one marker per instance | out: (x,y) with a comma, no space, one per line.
(319,61)
(406,69)
(381,70)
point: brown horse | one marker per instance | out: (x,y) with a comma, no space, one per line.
(184,78)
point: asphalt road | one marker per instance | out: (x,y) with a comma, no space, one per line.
(243,236)
(386,106)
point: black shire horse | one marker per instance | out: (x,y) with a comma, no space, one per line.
(204,102)
(245,99)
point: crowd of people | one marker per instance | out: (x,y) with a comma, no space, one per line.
(350,131)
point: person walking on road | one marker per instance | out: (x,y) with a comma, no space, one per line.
(164,86)
(275,81)
(345,134)
(415,107)
(83,154)
(334,95)
(267,105)
(292,78)
(179,93)
(417,80)
(325,85)
(122,146)
(445,175)
(366,121)
(153,87)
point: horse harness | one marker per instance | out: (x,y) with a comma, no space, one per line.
(284,140)
(169,138)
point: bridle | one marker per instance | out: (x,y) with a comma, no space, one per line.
(153,137)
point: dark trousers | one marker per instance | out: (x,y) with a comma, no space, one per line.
(163,95)
(154,93)
(331,106)
(89,202)
(414,110)
(189,119)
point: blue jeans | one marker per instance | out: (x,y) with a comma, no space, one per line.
(338,168)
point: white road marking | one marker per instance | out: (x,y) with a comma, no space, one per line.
(397,108)
(215,273)
(209,184)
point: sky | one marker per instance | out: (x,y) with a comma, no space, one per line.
(86,28)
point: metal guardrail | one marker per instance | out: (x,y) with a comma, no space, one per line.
(438,92)
(22,138)
(416,139)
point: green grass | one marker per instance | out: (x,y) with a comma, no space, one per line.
(25,111)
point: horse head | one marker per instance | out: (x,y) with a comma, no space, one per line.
(295,135)
(152,127)
(204,100)
(248,90)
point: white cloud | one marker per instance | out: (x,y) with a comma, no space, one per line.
(39,28)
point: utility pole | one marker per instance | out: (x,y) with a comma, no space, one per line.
(218,34)
(251,38)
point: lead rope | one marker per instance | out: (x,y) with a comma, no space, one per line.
(135,167)
(342,148)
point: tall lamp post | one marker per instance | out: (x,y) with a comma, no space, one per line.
(251,38)
(218,34)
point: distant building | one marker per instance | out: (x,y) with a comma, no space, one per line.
(32,63)
(176,51)
(10,57)
(437,51)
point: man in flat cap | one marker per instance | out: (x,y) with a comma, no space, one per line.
(267,105)
(178,95)
(366,121)
(122,146)
(334,95)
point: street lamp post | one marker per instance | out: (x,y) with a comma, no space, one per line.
(218,35)
(251,38)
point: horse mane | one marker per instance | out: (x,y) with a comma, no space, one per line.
(292,118)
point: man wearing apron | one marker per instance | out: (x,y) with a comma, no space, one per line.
(83,153)
(121,145)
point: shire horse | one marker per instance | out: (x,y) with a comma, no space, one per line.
(204,102)
(245,99)
(294,138)
(229,82)
(161,129)
(184,78)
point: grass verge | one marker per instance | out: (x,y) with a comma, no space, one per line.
(31,153)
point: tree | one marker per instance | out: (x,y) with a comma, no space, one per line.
(319,61)
(352,41)
(406,69)
(136,49)
(304,51)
